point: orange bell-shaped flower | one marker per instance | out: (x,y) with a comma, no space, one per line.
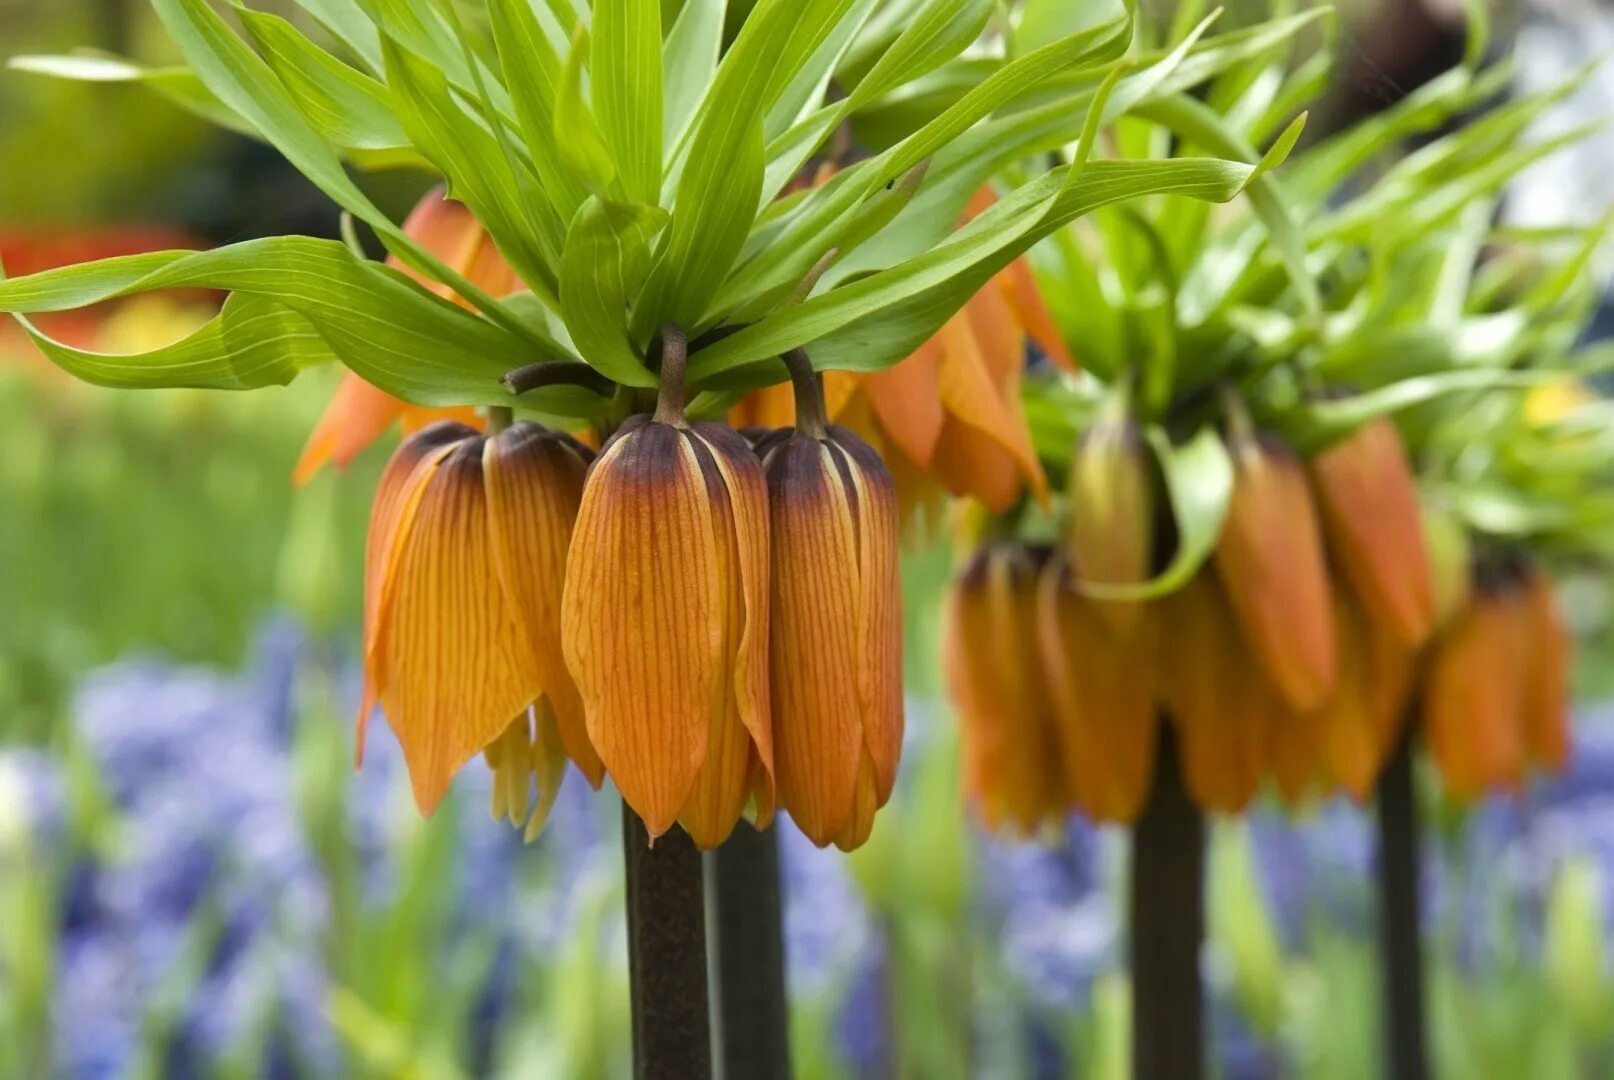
(1546,675)
(665,619)
(1270,559)
(1012,758)
(1369,507)
(836,625)
(468,540)
(1101,687)
(1474,698)
(1216,697)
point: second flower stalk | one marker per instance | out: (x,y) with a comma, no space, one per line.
(713,621)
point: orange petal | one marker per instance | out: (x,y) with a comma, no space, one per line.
(392,516)
(643,617)
(879,610)
(1020,289)
(452,677)
(866,800)
(975,401)
(994,675)
(739,756)
(1270,558)
(817,719)
(1215,697)
(1368,503)
(1102,691)
(534,481)
(1546,688)
(357,416)
(1474,697)
(906,399)
(1111,531)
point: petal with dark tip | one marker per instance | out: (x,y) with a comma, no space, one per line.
(534,481)
(740,693)
(1270,559)
(641,617)
(453,681)
(392,515)
(818,731)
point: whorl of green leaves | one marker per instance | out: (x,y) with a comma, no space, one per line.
(631,173)
(1364,269)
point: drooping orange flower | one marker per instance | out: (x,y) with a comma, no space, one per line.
(1368,503)
(360,413)
(948,417)
(1546,675)
(463,570)
(1110,537)
(1475,693)
(666,624)
(836,629)
(1101,686)
(1216,696)
(1012,761)
(1270,559)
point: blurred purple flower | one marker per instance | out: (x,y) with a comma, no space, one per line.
(826,923)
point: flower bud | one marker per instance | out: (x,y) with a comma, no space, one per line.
(836,630)
(1101,689)
(1368,503)
(468,540)
(1270,559)
(1111,535)
(665,624)
(1215,695)
(1546,675)
(1011,749)
(1474,697)
(1450,568)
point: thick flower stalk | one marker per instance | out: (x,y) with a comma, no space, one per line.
(1012,756)
(836,622)
(466,554)
(665,618)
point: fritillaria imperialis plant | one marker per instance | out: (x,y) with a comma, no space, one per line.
(629,248)
(1295,503)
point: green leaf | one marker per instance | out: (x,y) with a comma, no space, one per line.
(252,342)
(532,72)
(244,82)
(607,256)
(177,84)
(1313,426)
(875,321)
(480,173)
(577,133)
(783,256)
(688,60)
(1199,485)
(348,107)
(380,323)
(348,22)
(1196,122)
(626,79)
(940,30)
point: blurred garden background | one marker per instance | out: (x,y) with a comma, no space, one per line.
(194,883)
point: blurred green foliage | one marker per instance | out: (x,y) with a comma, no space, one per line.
(159,522)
